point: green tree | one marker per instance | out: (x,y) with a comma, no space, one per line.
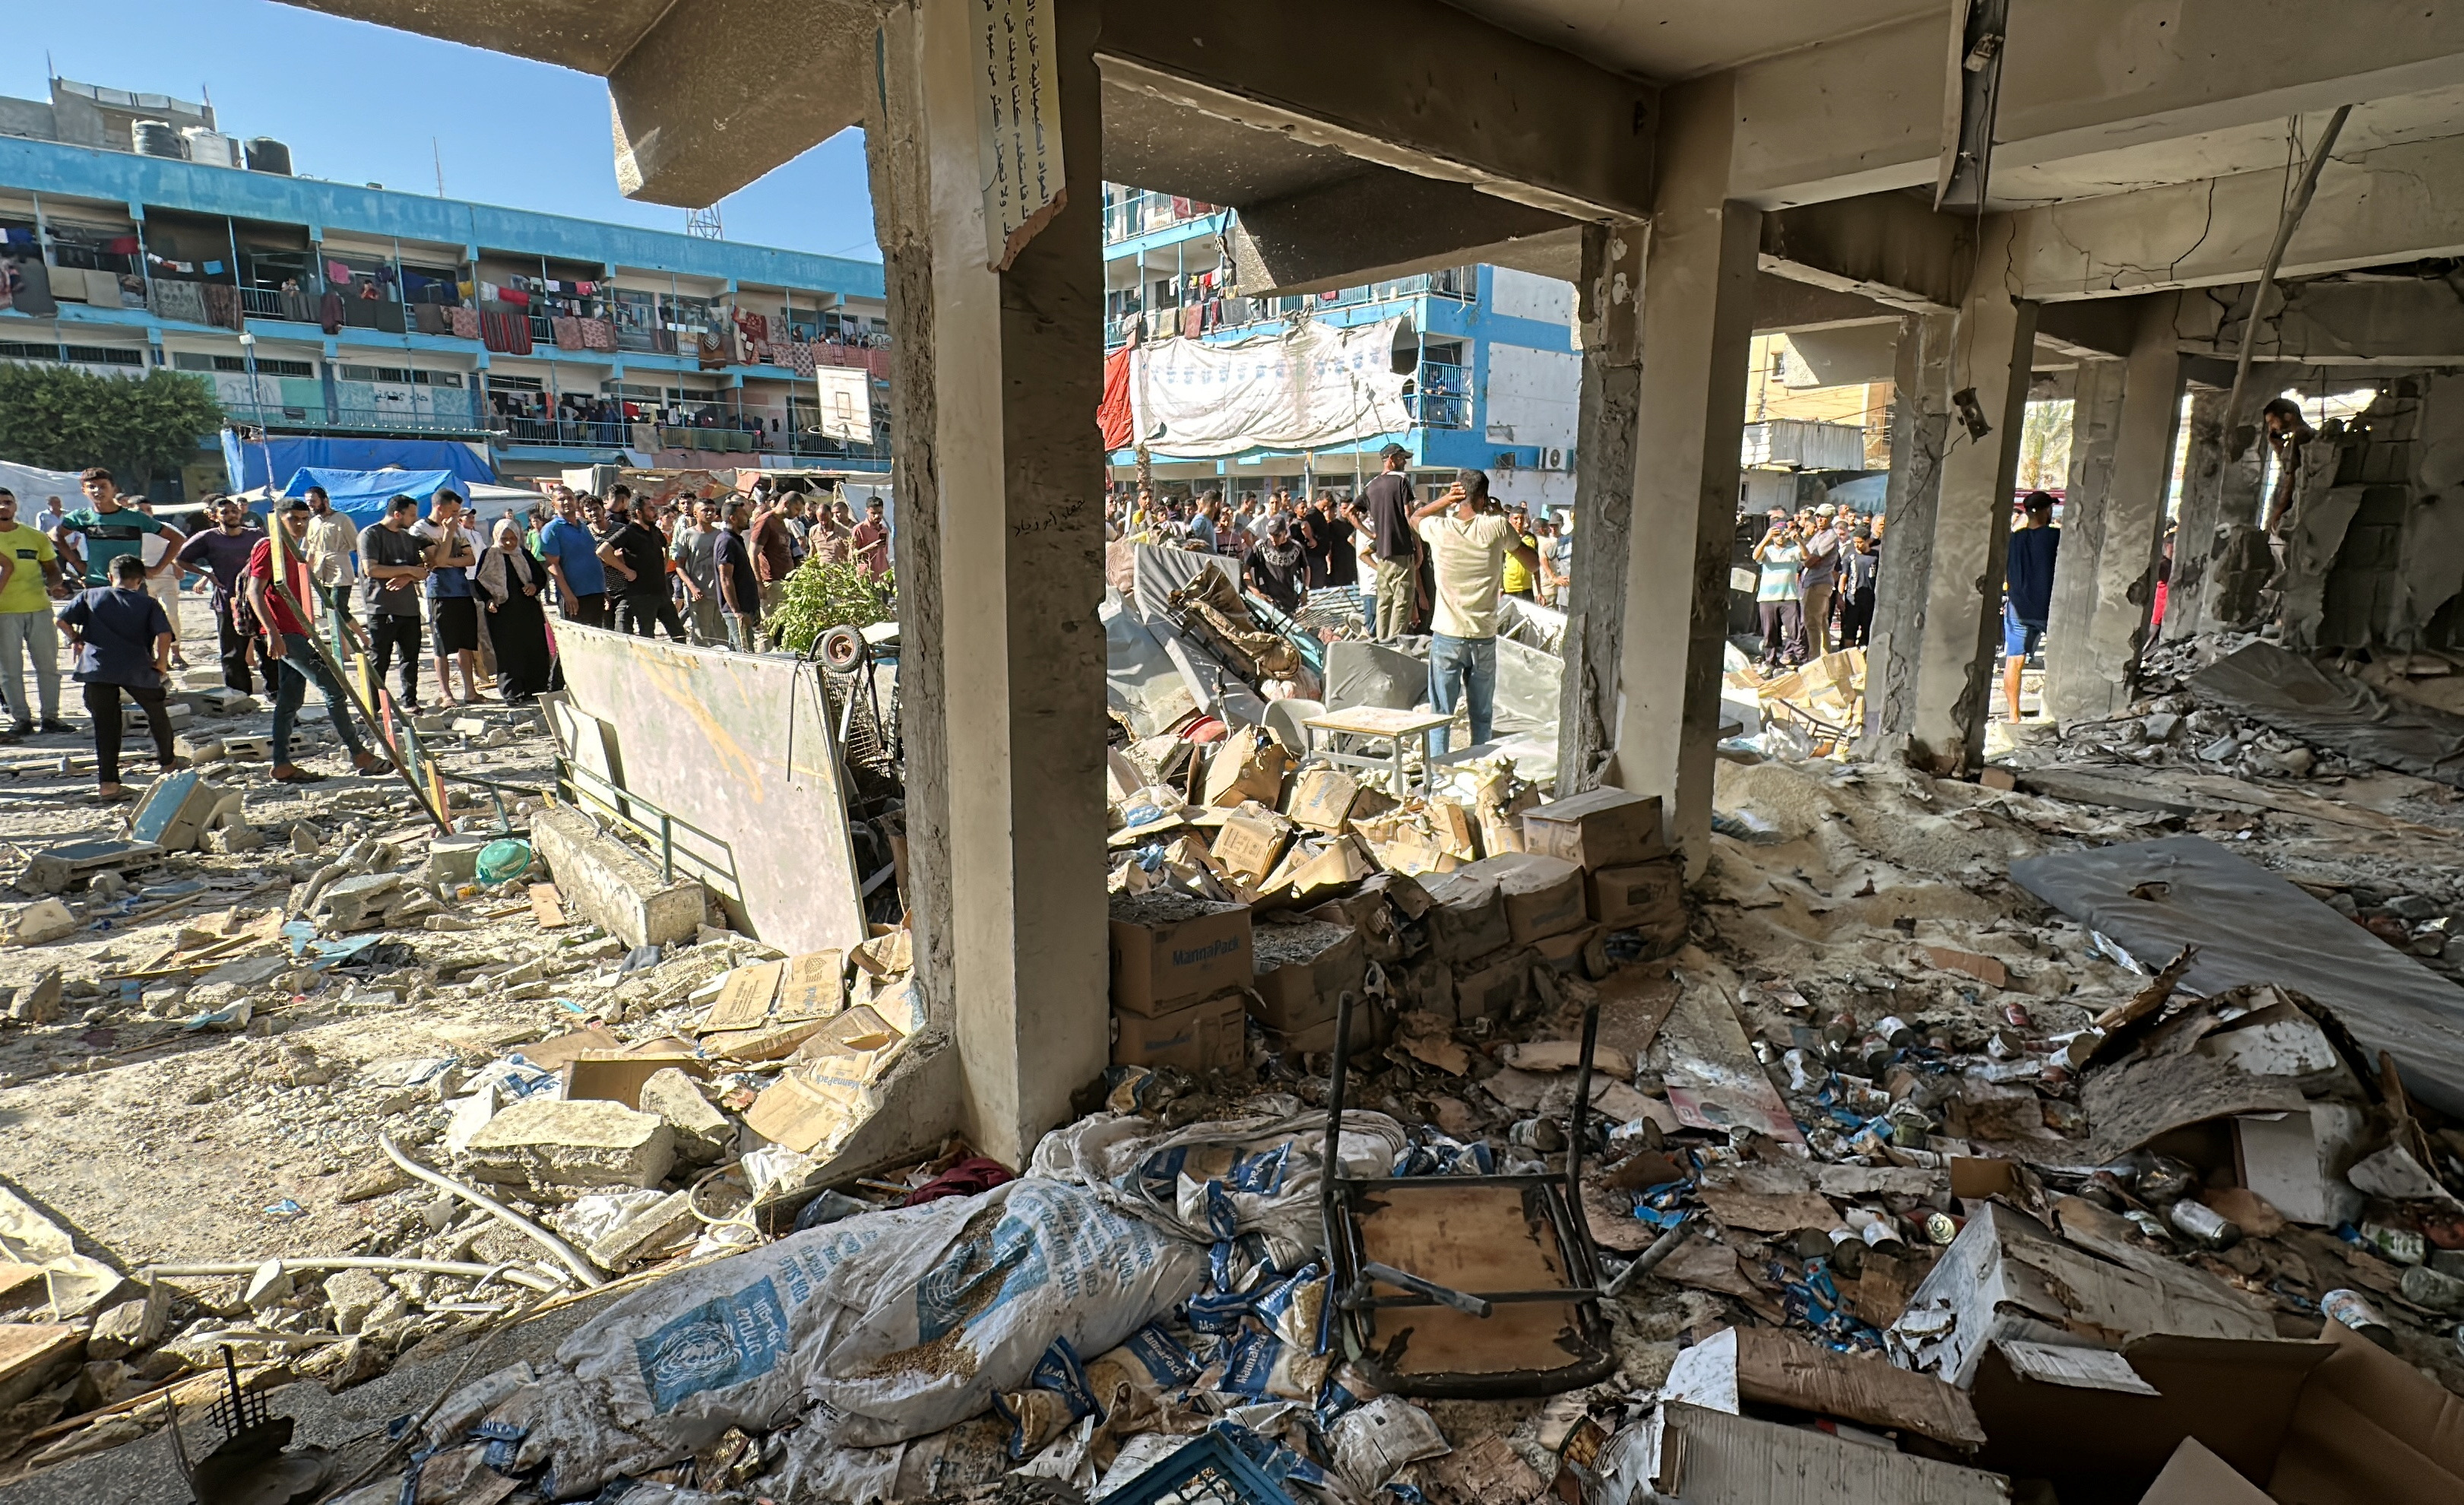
(63,419)
(821,596)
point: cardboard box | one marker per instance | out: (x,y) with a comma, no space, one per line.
(1210,1035)
(1767,1366)
(2295,1161)
(1468,916)
(617,1077)
(1707,1457)
(1543,896)
(1302,970)
(1169,949)
(2007,1278)
(795,1113)
(1600,829)
(1622,897)
(1250,845)
(1564,951)
(1318,1039)
(1249,764)
(2332,1422)
(1322,799)
(1491,986)
(1345,862)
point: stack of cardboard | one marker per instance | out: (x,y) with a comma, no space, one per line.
(1633,882)
(1181,967)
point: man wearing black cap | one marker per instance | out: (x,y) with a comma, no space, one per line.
(1386,503)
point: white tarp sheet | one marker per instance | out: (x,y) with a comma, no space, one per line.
(1312,387)
(33,485)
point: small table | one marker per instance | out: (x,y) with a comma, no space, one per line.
(1376,724)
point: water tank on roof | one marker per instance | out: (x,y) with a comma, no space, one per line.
(155,139)
(265,154)
(210,148)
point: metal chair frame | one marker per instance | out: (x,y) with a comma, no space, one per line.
(1341,1198)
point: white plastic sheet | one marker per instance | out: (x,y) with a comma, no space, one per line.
(1307,389)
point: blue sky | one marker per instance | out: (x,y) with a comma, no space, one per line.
(359,103)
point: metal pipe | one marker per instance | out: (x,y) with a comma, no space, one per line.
(566,1254)
(2285,225)
(1660,1249)
(511,1275)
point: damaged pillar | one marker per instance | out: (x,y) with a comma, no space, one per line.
(2104,581)
(2097,391)
(1000,563)
(1959,656)
(1610,293)
(1697,316)
(1920,430)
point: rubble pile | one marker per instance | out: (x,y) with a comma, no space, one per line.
(1900,1172)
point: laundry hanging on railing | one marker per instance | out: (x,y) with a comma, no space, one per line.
(1311,388)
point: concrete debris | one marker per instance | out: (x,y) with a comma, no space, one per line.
(1854,1095)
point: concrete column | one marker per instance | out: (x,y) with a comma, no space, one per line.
(1960,644)
(2195,527)
(2221,492)
(1610,325)
(2090,655)
(1920,431)
(1697,308)
(2096,388)
(995,376)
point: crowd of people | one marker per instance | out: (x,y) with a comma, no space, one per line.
(1815,591)
(1291,546)
(1436,567)
(472,601)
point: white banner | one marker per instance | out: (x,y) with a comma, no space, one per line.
(1017,123)
(1310,389)
(846,393)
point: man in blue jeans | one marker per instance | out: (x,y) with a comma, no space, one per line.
(289,654)
(2029,583)
(1468,545)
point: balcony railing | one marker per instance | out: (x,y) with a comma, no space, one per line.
(1142,212)
(358,420)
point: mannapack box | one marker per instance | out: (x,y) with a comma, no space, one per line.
(1598,829)
(1169,949)
(1210,1035)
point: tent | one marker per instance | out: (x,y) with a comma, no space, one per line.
(361,495)
(257,462)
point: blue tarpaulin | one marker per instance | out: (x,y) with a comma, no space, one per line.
(273,461)
(361,495)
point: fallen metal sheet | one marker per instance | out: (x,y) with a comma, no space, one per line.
(1142,683)
(1375,674)
(742,746)
(2252,927)
(2296,696)
(1159,572)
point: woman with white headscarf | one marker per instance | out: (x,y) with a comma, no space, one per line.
(510,585)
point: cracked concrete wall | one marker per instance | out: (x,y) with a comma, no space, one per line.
(2374,546)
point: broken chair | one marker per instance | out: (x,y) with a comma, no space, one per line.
(1482,1287)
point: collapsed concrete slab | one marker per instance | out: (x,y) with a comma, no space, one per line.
(617,889)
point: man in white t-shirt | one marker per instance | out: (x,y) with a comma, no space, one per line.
(1469,539)
(163,584)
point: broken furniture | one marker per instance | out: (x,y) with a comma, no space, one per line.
(1498,1277)
(1372,727)
(255,1463)
(2151,899)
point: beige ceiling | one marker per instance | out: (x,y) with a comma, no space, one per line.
(1673,39)
(2264,147)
